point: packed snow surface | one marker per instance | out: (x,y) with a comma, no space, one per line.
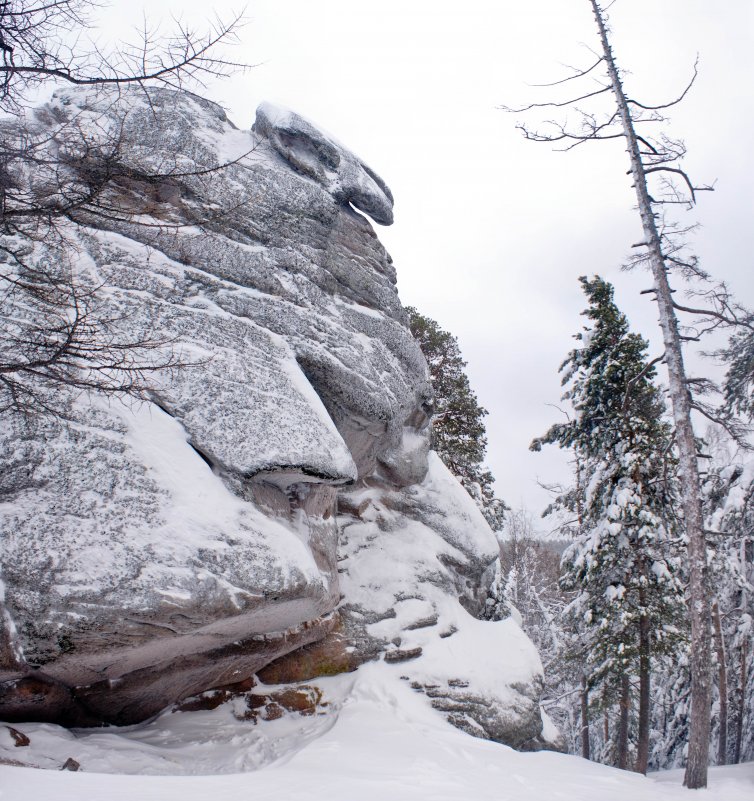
(380,738)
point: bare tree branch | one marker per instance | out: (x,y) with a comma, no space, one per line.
(677,100)
(58,173)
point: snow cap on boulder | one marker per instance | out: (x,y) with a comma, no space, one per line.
(323,159)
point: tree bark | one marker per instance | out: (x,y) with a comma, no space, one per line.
(741,701)
(699,611)
(11,656)
(585,719)
(722,671)
(642,746)
(625,701)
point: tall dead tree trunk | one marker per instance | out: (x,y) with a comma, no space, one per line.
(699,608)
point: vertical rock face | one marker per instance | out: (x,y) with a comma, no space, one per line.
(255,503)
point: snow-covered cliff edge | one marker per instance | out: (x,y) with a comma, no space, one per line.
(272,505)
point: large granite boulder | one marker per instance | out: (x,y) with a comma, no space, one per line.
(273,492)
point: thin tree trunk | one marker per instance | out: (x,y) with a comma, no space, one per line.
(741,701)
(11,656)
(642,746)
(699,612)
(625,701)
(722,668)
(585,719)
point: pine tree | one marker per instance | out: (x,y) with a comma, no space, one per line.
(458,432)
(738,387)
(628,592)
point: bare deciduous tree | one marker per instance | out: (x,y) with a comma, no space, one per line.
(37,46)
(55,330)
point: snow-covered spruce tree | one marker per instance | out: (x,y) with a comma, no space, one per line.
(728,494)
(628,605)
(730,506)
(738,386)
(458,432)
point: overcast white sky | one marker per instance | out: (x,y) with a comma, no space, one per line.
(492,232)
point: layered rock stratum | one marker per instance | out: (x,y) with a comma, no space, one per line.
(271,506)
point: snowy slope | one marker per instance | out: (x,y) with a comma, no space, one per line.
(410,559)
(385,742)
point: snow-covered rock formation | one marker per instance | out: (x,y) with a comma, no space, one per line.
(273,507)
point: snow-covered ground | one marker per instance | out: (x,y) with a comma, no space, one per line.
(377,738)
